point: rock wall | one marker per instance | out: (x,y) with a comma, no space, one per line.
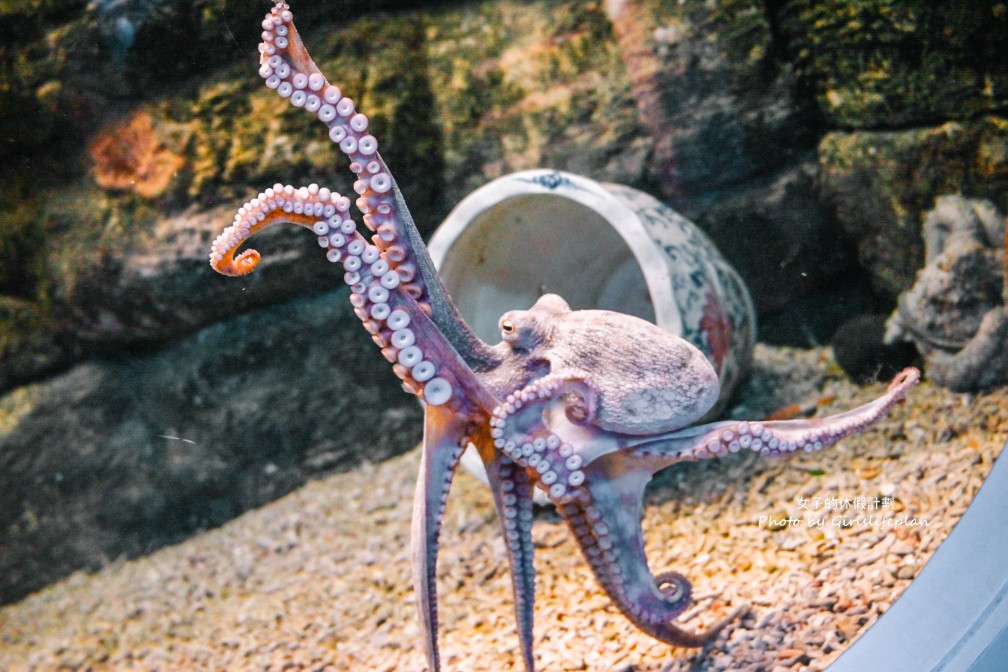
(120,455)
(807,138)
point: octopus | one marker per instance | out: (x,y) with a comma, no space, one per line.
(585,405)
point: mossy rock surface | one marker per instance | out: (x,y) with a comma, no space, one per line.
(126,267)
(702,104)
(885,64)
(883,182)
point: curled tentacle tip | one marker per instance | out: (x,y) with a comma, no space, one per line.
(243,264)
(906,378)
(675,588)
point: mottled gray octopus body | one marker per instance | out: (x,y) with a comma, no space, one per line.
(585,405)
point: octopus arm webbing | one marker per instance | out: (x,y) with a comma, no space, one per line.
(599,490)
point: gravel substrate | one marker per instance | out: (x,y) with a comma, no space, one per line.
(320,579)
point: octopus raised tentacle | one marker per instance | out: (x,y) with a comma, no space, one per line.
(584,405)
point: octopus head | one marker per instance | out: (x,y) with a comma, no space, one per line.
(526,330)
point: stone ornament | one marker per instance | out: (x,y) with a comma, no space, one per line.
(956,314)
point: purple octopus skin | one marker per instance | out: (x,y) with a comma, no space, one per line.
(586,405)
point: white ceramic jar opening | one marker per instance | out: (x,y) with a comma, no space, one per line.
(511,252)
(597,245)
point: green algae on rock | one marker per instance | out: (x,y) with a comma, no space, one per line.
(882,64)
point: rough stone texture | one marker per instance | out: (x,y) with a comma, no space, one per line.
(732,137)
(730,109)
(882,182)
(782,222)
(119,456)
(114,275)
(491,88)
(882,64)
(528,85)
(64,64)
(956,311)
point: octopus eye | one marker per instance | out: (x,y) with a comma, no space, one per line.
(507,327)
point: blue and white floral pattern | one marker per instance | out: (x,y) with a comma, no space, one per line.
(714,304)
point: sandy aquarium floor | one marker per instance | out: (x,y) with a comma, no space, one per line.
(320,580)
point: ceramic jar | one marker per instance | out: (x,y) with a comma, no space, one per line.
(597,245)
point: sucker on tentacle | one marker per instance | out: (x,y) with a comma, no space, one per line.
(512,491)
(585,405)
(287,68)
(379,297)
